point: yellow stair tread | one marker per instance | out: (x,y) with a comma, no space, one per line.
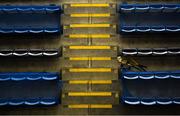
(89,94)
(90,58)
(90,82)
(89,5)
(89,25)
(90,47)
(86,106)
(90,15)
(82,36)
(90,70)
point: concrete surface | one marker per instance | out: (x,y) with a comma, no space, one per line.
(168,63)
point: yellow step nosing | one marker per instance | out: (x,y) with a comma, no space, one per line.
(78,58)
(78,36)
(101,36)
(101,58)
(86,106)
(89,25)
(90,70)
(101,81)
(74,106)
(89,5)
(101,106)
(78,82)
(89,94)
(104,36)
(90,47)
(90,15)
(90,82)
(90,58)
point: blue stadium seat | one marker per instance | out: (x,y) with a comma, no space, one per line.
(149,18)
(29,88)
(175,51)
(30,19)
(150,88)
(8,53)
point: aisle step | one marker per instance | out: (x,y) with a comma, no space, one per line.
(89,25)
(97,93)
(78,8)
(89,5)
(90,51)
(79,82)
(90,74)
(90,58)
(90,47)
(89,94)
(80,70)
(93,36)
(86,106)
(106,85)
(79,15)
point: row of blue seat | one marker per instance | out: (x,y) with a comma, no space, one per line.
(150,51)
(149,18)
(150,75)
(150,101)
(150,87)
(7,53)
(30,19)
(149,8)
(30,9)
(30,88)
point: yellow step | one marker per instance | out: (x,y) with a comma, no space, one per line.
(79,70)
(78,58)
(108,106)
(89,94)
(90,15)
(101,82)
(79,82)
(79,106)
(90,58)
(89,5)
(90,82)
(86,106)
(90,47)
(93,36)
(89,25)
(101,58)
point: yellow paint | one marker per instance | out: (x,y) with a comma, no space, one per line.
(101,82)
(77,106)
(90,82)
(79,58)
(91,15)
(93,36)
(89,94)
(108,106)
(101,58)
(101,36)
(79,36)
(89,5)
(94,106)
(90,70)
(89,25)
(89,58)
(90,47)
(79,82)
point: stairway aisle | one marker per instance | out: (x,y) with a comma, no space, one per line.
(89,51)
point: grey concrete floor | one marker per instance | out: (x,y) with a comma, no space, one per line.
(63,64)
